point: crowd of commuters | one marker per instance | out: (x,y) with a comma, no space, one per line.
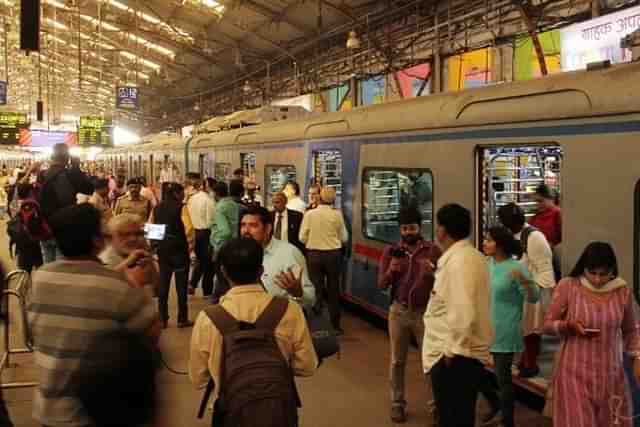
(97,267)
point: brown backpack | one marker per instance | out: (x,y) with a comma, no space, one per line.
(256,387)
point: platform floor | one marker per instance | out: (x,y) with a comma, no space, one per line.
(351,391)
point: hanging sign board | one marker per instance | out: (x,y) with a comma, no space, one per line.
(3,93)
(128,98)
(11,124)
(598,39)
(95,131)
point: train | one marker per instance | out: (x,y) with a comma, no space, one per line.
(577,132)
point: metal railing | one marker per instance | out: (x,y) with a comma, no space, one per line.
(20,292)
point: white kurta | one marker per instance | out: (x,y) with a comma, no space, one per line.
(539,261)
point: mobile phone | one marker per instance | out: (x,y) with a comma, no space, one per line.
(155,231)
(592,330)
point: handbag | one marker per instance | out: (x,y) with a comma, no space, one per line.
(325,340)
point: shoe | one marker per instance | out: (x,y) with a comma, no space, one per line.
(339,331)
(491,419)
(186,324)
(191,290)
(529,372)
(398,415)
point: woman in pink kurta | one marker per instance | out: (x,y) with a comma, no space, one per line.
(593,310)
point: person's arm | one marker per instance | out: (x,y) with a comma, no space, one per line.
(305,229)
(140,313)
(344,233)
(308,290)
(81,183)
(555,321)
(385,275)
(541,259)
(205,346)
(188,227)
(223,230)
(525,284)
(631,328)
(304,360)
(117,210)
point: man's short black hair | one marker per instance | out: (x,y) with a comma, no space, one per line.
(456,220)
(511,216)
(101,183)
(24,190)
(239,171)
(211,182)
(242,260)
(221,189)
(409,215)
(133,181)
(236,188)
(295,186)
(75,227)
(259,211)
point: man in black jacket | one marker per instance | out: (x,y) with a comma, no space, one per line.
(60,184)
(286,222)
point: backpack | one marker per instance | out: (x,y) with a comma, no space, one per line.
(256,382)
(33,221)
(56,192)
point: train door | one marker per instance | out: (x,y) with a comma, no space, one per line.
(510,174)
(276,178)
(248,164)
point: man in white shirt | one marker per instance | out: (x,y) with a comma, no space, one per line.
(294,202)
(251,197)
(201,209)
(457,322)
(538,258)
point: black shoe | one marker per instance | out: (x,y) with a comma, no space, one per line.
(529,372)
(398,415)
(186,324)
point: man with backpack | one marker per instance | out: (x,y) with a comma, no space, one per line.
(60,185)
(250,346)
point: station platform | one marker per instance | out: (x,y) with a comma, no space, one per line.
(350,391)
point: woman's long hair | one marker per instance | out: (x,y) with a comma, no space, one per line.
(596,255)
(505,241)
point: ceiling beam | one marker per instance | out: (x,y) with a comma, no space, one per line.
(277,16)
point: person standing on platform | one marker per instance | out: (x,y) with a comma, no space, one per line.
(593,312)
(294,202)
(457,321)
(251,197)
(407,267)
(99,200)
(323,232)
(147,192)
(238,175)
(173,254)
(60,184)
(202,211)
(74,301)
(537,258)
(119,189)
(133,202)
(511,285)
(548,220)
(286,221)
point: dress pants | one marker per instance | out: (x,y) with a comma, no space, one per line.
(204,267)
(403,324)
(325,268)
(171,264)
(455,390)
(501,397)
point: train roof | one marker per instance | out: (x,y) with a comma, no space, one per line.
(555,97)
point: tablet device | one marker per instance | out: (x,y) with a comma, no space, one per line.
(155,231)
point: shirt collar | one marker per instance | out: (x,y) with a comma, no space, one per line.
(456,247)
(244,289)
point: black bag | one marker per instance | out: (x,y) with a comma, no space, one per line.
(325,340)
(256,382)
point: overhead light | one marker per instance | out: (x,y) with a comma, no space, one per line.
(247,87)
(353,42)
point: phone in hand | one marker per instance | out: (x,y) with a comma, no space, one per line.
(592,331)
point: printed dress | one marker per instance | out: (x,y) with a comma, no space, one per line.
(589,385)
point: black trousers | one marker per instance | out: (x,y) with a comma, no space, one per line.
(175,263)
(325,269)
(204,267)
(500,396)
(455,390)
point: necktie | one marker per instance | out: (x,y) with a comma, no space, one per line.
(278,231)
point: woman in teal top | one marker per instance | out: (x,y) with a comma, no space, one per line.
(511,284)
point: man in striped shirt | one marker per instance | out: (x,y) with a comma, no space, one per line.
(75,300)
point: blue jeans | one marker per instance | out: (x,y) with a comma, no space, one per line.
(50,251)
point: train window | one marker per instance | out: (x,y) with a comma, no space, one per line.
(327,171)
(386,191)
(511,174)
(275,179)
(222,171)
(248,163)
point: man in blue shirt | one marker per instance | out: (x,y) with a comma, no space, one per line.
(285,269)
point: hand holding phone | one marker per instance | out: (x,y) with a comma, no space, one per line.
(592,331)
